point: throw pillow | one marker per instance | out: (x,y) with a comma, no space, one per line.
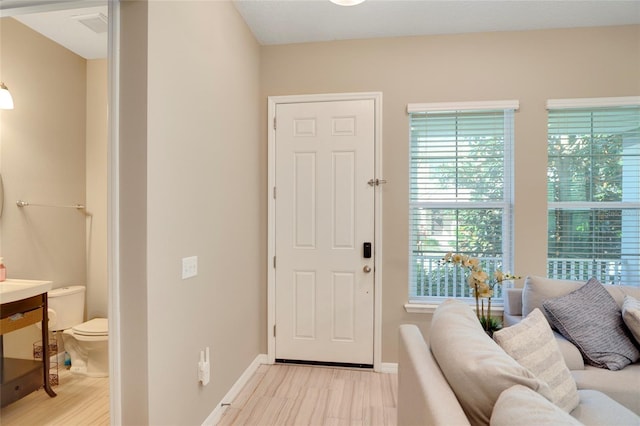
(520,405)
(532,343)
(631,315)
(475,367)
(590,319)
(538,289)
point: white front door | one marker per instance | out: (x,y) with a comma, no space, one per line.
(324,213)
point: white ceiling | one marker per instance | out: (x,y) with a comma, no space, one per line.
(299,21)
(56,19)
(63,27)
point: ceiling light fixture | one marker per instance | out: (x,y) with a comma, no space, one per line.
(346,2)
(6,101)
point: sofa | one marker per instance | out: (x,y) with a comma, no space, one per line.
(622,385)
(459,375)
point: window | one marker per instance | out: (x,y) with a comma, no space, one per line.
(594,190)
(460,194)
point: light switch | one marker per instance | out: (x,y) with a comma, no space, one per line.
(189,267)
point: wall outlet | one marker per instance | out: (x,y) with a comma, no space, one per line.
(189,267)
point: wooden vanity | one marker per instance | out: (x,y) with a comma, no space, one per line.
(20,377)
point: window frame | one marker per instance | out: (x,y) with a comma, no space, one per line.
(508,108)
(586,104)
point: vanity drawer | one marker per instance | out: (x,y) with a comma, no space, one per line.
(18,321)
(20,377)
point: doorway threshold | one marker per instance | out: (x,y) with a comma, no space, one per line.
(324,363)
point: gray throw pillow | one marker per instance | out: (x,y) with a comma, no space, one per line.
(591,319)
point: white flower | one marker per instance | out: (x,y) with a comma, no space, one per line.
(479,282)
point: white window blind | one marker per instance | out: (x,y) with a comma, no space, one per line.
(594,191)
(460,195)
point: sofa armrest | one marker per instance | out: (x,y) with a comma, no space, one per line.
(424,395)
(513,301)
(512,306)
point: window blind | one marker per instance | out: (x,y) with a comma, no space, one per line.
(594,193)
(460,196)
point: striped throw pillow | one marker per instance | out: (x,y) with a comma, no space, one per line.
(532,344)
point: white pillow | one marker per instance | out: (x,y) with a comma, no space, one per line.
(532,343)
(475,367)
(631,315)
(520,405)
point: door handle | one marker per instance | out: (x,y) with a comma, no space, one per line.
(366,269)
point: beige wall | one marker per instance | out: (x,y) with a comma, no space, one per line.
(42,142)
(530,66)
(43,157)
(96,189)
(132,216)
(193,177)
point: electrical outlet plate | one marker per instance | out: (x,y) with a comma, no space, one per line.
(189,267)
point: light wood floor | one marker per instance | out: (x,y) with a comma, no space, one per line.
(275,395)
(301,395)
(80,401)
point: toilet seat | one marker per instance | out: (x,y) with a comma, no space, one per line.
(95,327)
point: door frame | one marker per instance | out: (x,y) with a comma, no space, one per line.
(113,213)
(273,101)
(113,90)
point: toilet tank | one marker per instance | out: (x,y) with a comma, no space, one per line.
(68,306)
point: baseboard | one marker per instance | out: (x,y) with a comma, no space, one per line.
(389,367)
(217,413)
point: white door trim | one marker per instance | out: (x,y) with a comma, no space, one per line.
(273,101)
(113,218)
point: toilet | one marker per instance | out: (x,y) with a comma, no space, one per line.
(85,342)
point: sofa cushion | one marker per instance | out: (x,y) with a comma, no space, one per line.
(619,292)
(475,367)
(590,318)
(538,289)
(520,404)
(532,343)
(621,385)
(596,408)
(570,353)
(631,315)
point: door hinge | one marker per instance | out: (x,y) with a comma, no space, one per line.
(274,330)
(274,192)
(274,123)
(274,262)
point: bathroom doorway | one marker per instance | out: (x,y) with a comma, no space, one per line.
(49,167)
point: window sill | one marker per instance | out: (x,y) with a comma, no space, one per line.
(430,308)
